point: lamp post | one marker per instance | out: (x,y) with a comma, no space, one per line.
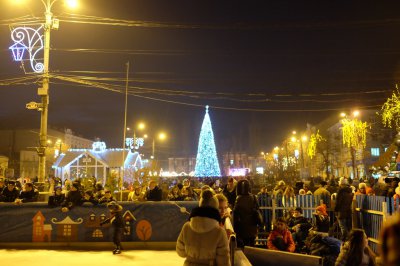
(161,136)
(43,92)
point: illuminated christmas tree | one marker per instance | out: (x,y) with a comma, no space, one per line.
(206,160)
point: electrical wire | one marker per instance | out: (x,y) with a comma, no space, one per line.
(255,94)
(84,19)
(109,88)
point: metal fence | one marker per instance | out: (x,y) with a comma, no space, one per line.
(370,212)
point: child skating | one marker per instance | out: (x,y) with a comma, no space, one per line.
(117,223)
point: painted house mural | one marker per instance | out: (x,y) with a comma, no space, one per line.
(41,232)
(67,229)
(95,232)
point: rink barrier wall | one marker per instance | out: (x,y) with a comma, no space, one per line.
(145,222)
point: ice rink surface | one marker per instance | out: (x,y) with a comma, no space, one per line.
(39,257)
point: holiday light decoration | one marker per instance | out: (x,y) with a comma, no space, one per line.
(134,143)
(206,161)
(312,144)
(391,110)
(31,40)
(98,146)
(354,132)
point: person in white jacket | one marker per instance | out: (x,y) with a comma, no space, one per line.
(202,241)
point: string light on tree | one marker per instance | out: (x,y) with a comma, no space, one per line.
(391,110)
(354,131)
(206,160)
(315,138)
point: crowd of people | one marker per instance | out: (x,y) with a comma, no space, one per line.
(232,209)
(292,232)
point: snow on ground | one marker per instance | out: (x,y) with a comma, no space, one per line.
(35,257)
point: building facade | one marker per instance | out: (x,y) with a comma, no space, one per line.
(20,147)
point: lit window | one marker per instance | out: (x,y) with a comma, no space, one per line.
(375,151)
(97,233)
(127,230)
(67,230)
(38,231)
(92,216)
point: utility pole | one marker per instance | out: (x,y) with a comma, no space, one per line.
(27,34)
(121,178)
(44,94)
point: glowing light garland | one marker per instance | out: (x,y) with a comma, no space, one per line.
(29,39)
(391,111)
(312,144)
(354,133)
(206,160)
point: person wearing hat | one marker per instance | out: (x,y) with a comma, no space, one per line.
(73,198)
(117,223)
(10,193)
(321,221)
(244,220)
(299,226)
(362,189)
(202,241)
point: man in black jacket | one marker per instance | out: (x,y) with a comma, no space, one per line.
(344,200)
(154,193)
(10,193)
(73,198)
(29,194)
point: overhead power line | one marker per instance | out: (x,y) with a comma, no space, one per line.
(113,89)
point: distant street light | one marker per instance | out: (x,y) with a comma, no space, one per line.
(161,136)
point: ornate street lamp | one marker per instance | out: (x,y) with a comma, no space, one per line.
(34,43)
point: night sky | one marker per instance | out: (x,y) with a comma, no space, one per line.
(264,67)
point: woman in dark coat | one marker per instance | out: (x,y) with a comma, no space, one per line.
(244,220)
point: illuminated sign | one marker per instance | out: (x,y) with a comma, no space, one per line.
(238,171)
(260,170)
